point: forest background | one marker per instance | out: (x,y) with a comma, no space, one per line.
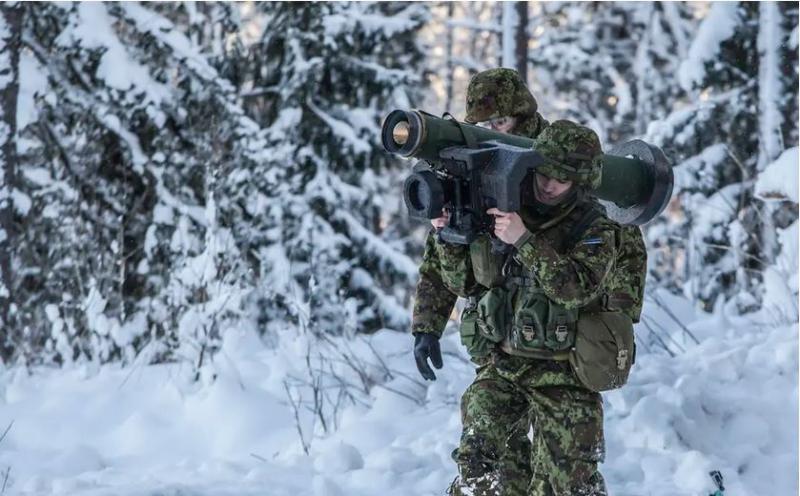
(171,173)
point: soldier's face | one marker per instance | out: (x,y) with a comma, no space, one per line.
(549,190)
(500,124)
(503,124)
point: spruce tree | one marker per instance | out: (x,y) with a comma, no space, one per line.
(608,65)
(740,79)
(129,129)
(317,211)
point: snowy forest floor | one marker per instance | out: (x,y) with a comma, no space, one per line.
(728,403)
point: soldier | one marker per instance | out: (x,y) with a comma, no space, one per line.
(521,319)
(499,98)
(496,98)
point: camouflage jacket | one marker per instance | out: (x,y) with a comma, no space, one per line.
(572,276)
(434,300)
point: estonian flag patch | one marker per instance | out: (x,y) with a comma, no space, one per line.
(593,241)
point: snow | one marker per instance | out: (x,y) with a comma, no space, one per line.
(22,202)
(152,430)
(375,245)
(348,17)
(341,129)
(770,91)
(91,28)
(781,278)
(32,82)
(698,171)
(779,180)
(291,413)
(719,24)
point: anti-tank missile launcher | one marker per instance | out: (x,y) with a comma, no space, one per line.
(469,169)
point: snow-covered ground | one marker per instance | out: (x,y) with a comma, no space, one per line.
(729,403)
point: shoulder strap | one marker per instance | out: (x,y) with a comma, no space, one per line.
(577,231)
(469,138)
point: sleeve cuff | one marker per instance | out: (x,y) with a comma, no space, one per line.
(523,239)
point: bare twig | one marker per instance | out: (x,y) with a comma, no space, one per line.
(672,315)
(658,338)
(5,432)
(5,480)
(669,336)
(295,408)
(258,457)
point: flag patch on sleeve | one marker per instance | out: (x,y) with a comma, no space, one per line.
(593,241)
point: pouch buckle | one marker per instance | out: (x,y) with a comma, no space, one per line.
(622,359)
(561,333)
(528,332)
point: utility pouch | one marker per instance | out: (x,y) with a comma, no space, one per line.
(486,266)
(492,314)
(540,324)
(603,351)
(561,327)
(476,344)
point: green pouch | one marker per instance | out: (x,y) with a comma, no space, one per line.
(477,345)
(486,266)
(530,322)
(540,324)
(603,351)
(492,314)
(561,327)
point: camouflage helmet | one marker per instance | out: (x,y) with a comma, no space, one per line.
(498,93)
(571,153)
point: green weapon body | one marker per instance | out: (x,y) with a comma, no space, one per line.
(636,183)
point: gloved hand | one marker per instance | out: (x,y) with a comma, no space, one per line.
(427,346)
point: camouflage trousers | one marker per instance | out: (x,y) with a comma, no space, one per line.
(509,396)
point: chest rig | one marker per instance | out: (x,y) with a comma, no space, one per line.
(514,313)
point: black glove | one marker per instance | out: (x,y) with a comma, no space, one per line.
(427,346)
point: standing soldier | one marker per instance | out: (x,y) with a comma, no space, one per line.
(496,98)
(525,311)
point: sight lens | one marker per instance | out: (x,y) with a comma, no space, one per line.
(400,133)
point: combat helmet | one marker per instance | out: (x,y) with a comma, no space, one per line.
(498,93)
(571,152)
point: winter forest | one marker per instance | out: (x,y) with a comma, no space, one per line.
(207,269)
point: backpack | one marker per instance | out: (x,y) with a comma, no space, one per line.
(625,287)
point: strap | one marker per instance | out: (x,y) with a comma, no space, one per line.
(469,138)
(578,230)
(519,281)
(608,303)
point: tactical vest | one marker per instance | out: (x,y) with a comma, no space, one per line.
(514,314)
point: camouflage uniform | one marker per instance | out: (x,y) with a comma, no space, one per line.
(490,94)
(512,393)
(434,298)
(502,93)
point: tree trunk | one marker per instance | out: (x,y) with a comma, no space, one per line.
(522,40)
(515,37)
(450,67)
(10,39)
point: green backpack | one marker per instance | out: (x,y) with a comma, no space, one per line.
(605,348)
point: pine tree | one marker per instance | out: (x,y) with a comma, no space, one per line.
(607,65)
(739,78)
(314,212)
(117,167)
